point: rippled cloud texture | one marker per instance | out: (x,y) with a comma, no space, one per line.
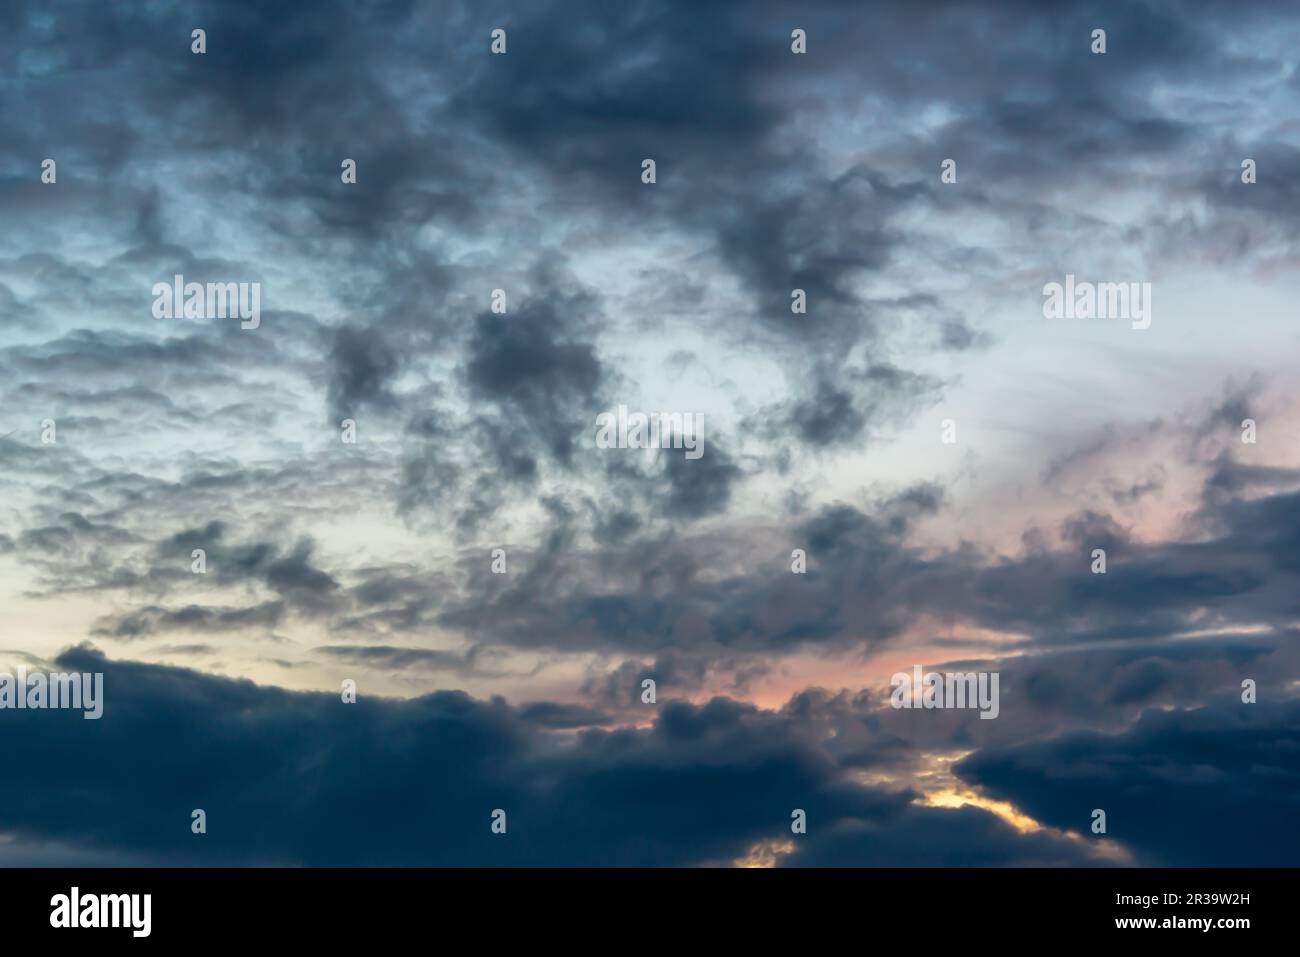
(943,459)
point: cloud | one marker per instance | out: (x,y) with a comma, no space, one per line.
(522,173)
(302,778)
(1195,787)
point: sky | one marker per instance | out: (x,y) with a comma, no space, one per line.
(399,488)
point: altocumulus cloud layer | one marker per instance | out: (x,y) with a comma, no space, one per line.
(370,561)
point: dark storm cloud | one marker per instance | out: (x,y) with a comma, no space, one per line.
(299,778)
(1215,785)
(550,714)
(1043,696)
(929,837)
(1231,478)
(700,487)
(1084,688)
(362,365)
(538,368)
(1268,526)
(1273,199)
(827,417)
(1095,530)
(532,383)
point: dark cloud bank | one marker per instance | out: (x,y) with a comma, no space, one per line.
(303,778)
